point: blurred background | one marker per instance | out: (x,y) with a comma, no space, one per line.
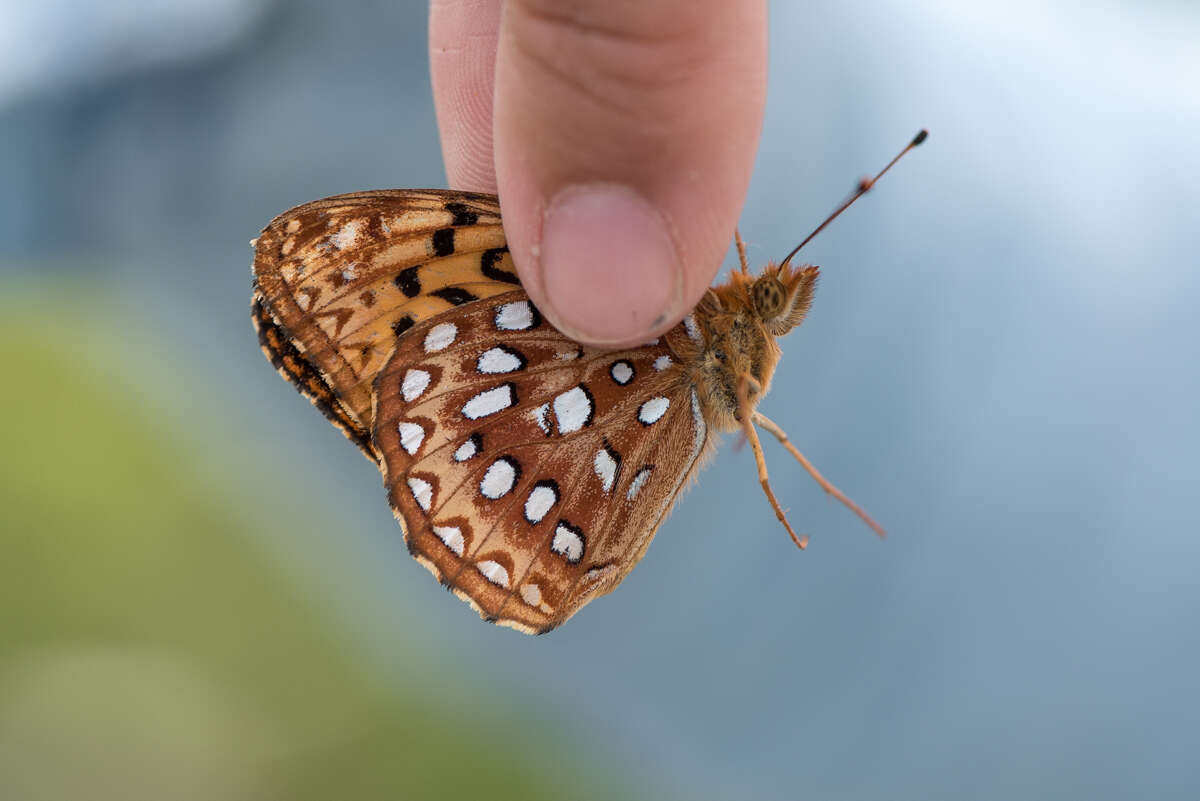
(203,593)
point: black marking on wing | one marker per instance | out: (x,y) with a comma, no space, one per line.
(616,457)
(402,325)
(409,281)
(443,242)
(488,267)
(591,405)
(453,294)
(462,214)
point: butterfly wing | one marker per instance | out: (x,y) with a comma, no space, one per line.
(338,280)
(529,473)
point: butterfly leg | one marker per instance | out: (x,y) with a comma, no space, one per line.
(747,414)
(741,249)
(780,435)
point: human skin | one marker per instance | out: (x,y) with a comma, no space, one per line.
(620,136)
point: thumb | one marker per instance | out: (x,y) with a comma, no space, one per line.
(624,136)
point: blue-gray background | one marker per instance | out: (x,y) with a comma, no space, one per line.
(1001,365)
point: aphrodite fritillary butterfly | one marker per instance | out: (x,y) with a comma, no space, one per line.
(528,473)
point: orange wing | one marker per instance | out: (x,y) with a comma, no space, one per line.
(338,280)
(530,473)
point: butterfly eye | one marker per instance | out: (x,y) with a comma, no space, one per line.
(768,295)
(718,354)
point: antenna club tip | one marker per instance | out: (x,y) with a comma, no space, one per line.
(921,136)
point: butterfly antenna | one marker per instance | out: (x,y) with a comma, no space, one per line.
(864,186)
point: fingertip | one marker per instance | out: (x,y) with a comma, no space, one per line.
(609,270)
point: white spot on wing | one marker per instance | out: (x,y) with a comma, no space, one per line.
(539,415)
(346,236)
(567,543)
(693,330)
(493,572)
(515,316)
(606,468)
(531,594)
(662,363)
(572,410)
(621,372)
(415,382)
(597,574)
(498,480)
(422,492)
(466,451)
(652,410)
(498,360)
(638,482)
(440,337)
(539,502)
(489,401)
(452,536)
(411,437)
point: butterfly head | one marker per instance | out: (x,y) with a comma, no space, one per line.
(740,321)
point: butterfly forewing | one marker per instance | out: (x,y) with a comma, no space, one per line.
(338,280)
(530,473)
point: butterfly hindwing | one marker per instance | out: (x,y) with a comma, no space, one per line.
(530,473)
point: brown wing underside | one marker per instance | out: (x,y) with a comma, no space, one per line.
(338,280)
(581,468)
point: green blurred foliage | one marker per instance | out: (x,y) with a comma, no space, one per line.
(150,649)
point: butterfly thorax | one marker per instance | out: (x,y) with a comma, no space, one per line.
(739,322)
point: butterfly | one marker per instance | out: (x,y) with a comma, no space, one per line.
(528,473)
